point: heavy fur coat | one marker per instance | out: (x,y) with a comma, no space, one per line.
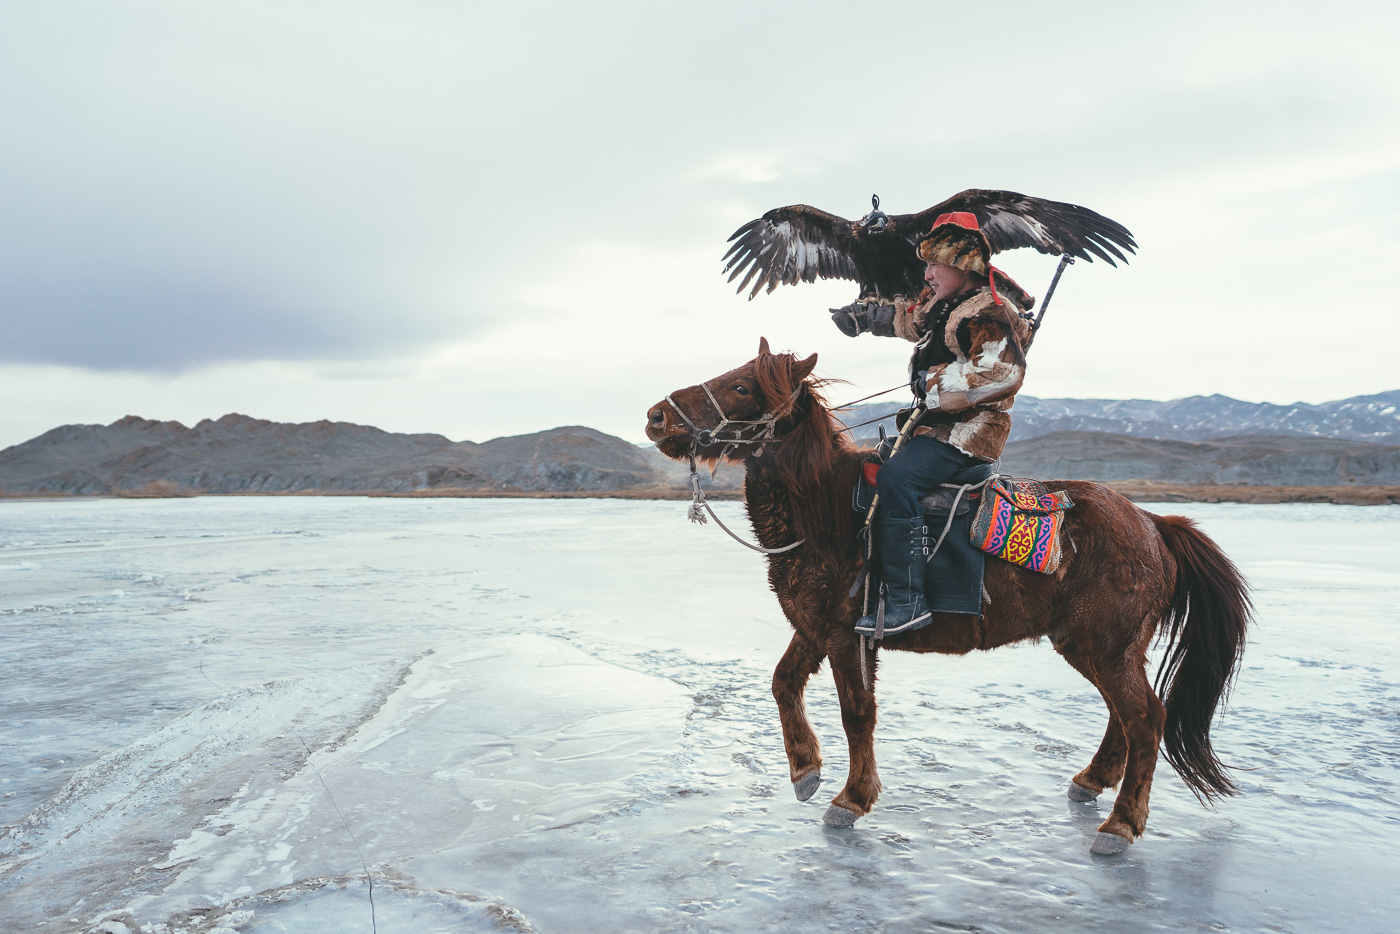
(972,351)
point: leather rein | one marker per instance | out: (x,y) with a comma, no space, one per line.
(763,427)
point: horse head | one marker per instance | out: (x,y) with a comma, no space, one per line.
(735,408)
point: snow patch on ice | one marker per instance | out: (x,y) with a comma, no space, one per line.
(122,808)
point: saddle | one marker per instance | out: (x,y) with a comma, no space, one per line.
(955,567)
(1012,519)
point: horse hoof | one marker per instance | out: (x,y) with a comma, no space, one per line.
(806,786)
(1109,844)
(1078,792)
(837,816)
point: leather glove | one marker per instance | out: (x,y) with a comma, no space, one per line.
(859,317)
(919,385)
(853,319)
(882,320)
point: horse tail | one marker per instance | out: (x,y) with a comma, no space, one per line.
(1205,629)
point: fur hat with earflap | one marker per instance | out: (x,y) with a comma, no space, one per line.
(957,240)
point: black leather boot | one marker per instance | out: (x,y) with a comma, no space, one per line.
(904,545)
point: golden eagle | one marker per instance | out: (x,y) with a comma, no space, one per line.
(799,243)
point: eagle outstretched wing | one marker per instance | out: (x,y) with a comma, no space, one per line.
(1011,220)
(800,243)
(789,245)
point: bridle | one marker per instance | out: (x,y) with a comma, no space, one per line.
(763,427)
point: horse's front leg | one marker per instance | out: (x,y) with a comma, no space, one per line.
(857,695)
(801,660)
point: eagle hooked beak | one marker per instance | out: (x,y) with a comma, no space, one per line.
(875,221)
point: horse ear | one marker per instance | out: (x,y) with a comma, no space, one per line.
(763,350)
(803,368)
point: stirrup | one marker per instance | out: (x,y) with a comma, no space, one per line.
(879,624)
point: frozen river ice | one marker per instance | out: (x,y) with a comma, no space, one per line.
(554,716)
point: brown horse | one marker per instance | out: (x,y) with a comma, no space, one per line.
(1129,575)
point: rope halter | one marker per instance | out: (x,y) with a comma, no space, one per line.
(765,426)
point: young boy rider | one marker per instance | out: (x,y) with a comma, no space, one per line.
(968,364)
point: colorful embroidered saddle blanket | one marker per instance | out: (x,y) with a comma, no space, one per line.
(1019,521)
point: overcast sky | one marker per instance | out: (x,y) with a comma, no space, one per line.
(490,219)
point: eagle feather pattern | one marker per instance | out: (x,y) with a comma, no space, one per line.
(800,243)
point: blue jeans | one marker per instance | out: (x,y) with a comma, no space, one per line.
(916,469)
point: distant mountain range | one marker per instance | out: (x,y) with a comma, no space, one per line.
(1196,418)
(1211,440)
(239,454)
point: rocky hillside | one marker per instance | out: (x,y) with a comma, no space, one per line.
(238,454)
(1196,418)
(1255,460)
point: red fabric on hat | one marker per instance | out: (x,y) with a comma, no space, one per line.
(960,218)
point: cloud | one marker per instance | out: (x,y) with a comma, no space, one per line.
(342,187)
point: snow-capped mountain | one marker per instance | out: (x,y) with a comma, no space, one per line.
(1196,418)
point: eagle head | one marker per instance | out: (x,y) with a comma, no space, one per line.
(875,221)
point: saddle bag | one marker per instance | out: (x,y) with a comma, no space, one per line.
(1019,521)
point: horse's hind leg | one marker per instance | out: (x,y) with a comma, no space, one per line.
(1105,770)
(1143,719)
(857,695)
(799,662)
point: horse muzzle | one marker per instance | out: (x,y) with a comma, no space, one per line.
(662,423)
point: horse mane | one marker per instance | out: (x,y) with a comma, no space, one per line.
(809,461)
